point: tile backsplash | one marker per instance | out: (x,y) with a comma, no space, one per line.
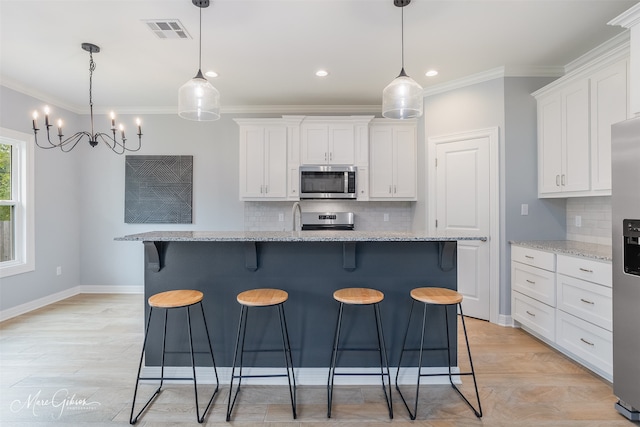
(368,216)
(595,217)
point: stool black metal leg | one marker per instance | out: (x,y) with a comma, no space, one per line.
(478,412)
(288,359)
(193,366)
(383,358)
(231,402)
(404,342)
(414,413)
(133,420)
(332,366)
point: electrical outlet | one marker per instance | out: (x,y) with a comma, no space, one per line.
(386,217)
(524,209)
(281,217)
(578,221)
(58,271)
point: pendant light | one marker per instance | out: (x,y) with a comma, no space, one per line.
(402,98)
(197,99)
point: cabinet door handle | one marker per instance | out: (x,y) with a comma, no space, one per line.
(563,180)
(587,342)
(395,189)
(528,256)
(331,156)
(586,270)
(325,156)
(531,314)
(531,281)
(557,180)
(586,301)
(389,189)
(266,188)
(261,188)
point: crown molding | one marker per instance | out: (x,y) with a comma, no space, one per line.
(628,18)
(42,96)
(617,43)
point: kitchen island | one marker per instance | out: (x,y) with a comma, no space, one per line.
(310,266)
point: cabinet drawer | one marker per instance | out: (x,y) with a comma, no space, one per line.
(533,314)
(534,282)
(534,257)
(585,300)
(592,344)
(585,269)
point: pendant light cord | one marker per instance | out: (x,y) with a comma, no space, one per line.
(200,43)
(402,33)
(92,66)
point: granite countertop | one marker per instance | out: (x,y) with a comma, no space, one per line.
(569,247)
(297,236)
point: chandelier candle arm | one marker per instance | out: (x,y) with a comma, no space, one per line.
(68,144)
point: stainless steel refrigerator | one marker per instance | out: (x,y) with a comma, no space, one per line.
(625,158)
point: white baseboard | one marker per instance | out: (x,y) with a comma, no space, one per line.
(304,376)
(67,293)
(505,320)
(106,289)
(37,303)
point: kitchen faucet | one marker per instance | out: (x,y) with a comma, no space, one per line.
(296,207)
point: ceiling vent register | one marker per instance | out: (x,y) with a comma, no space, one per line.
(168,28)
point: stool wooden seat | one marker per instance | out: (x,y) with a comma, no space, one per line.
(257,298)
(436,296)
(360,297)
(170,300)
(448,300)
(175,299)
(262,297)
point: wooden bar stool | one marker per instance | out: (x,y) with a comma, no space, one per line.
(444,298)
(170,300)
(262,298)
(359,296)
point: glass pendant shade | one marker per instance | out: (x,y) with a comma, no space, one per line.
(198,100)
(402,98)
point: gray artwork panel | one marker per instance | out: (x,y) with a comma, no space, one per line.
(158,189)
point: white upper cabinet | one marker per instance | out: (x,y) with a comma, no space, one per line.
(393,161)
(575,114)
(609,105)
(263,160)
(328,143)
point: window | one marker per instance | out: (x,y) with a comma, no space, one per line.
(16,203)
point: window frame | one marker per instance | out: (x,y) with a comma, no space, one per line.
(22,181)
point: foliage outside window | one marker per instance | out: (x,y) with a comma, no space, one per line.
(16,203)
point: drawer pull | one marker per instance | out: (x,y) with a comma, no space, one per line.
(528,256)
(587,342)
(531,314)
(587,301)
(531,281)
(586,270)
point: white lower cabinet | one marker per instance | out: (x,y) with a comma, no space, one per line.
(566,301)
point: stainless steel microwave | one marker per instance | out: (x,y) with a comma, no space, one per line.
(328,182)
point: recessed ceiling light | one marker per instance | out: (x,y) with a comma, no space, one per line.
(211,74)
(431,73)
(322,73)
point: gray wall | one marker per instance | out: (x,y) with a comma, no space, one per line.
(57,216)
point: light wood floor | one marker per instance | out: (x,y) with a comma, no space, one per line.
(74,363)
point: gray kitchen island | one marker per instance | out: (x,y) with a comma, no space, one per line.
(310,266)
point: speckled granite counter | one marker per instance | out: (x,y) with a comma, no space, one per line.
(569,247)
(298,236)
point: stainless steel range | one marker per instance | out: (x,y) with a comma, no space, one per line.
(327,221)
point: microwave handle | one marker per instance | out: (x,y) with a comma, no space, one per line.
(346,182)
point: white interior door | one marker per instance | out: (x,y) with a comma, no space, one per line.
(462,199)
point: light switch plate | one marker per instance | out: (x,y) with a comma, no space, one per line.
(524,209)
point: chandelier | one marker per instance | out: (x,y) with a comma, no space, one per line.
(402,98)
(68,144)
